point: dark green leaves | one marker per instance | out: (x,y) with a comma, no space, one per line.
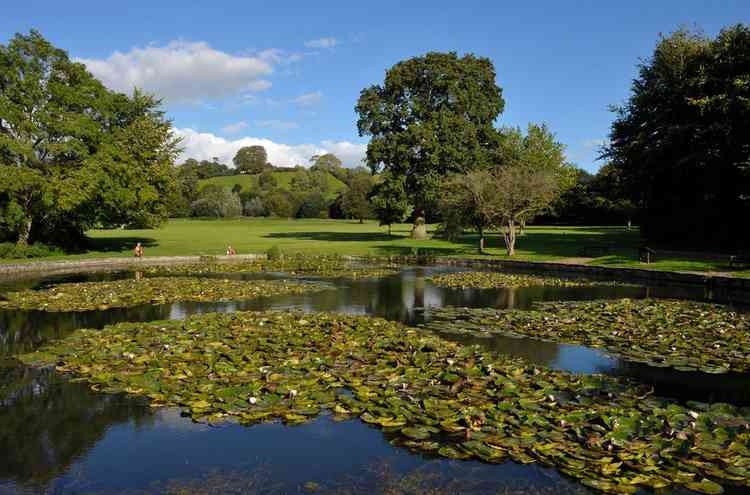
(494,280)
(432,395)
(684,335)
(122,293)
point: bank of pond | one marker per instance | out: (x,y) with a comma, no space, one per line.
(568,384)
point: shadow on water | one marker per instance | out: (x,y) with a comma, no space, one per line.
(60,437)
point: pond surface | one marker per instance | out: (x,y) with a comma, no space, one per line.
(57,436)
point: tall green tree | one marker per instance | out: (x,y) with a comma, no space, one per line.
(74,154)
(432,116)
(682,140)
(389,200)
(251,159)
(355,201)
(326,163)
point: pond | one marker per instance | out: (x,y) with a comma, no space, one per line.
(58,436)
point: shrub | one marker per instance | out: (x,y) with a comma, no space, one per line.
(254,208)
(10,250)
(274,253)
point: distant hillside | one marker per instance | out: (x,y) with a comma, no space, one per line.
(283,178)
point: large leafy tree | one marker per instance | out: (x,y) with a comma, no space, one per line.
(72,153)
(389,201)
(531,174)
(251,159)
(682,140)
(355,201)
(432,116)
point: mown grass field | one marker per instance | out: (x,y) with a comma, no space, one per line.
(181,237)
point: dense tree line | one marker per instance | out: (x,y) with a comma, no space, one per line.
(681,143)
(74,154)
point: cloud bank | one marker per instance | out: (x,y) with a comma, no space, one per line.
(184,71)
(205,145)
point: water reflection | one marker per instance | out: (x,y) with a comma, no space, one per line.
(61,437)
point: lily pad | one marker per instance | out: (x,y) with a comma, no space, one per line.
(496,280)
(684,335)
(159,290)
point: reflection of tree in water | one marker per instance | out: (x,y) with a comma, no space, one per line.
(24,331)
(46,423)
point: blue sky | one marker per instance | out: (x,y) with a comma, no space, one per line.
(287,74)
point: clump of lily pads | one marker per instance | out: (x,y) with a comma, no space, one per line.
(313,266)
(432,395)
(158,290)
(497,280)
(684,335)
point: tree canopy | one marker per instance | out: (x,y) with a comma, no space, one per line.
(74,154)
(251,159)
(682,140)
(434,115)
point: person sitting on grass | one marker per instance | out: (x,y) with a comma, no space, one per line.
(138,251)
(231,251)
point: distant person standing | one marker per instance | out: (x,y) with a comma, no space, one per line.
(138,251)
(231,251)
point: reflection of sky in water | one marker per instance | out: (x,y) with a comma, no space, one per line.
(60,436)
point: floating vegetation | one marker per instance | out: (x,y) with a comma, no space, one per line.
(159,290)
(429,394)
(316,266)
(497,280)
(684,335)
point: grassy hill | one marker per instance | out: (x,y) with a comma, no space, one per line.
(283,178)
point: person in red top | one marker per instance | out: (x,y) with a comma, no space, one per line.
(138,251)
(231,251)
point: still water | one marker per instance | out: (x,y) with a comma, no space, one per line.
(57,436)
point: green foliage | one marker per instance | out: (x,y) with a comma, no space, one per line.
(314,205)
(74,154)
(218,202)
(682,140)
(325,163)
(267,180)
(280,204)
(274,253)
(254,207)
(355,202)
(251,160)
(433,115)
(389,201)
(9,250)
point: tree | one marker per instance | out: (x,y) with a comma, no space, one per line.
(313,205)
(280,203)
(267,181)
(389,201)
(433,116)
(216,201)
(74,154)
(532,174)
(682,140)
(325,163)
(251,159)
(355,202)
(466,200)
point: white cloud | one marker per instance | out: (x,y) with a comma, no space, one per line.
(183,71)
(234,128)
(308,99)
(205,145)
(279,57)
(282,125)
(328,42)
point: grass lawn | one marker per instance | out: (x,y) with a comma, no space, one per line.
(182,237)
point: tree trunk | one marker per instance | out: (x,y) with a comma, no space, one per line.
(25,232)
(389,231)
(361,220)
(510,238)
(629,224)
(481,240)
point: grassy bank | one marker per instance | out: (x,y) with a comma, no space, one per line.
(183,237)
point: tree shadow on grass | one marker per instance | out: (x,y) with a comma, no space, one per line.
(118,244)
(333,236)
